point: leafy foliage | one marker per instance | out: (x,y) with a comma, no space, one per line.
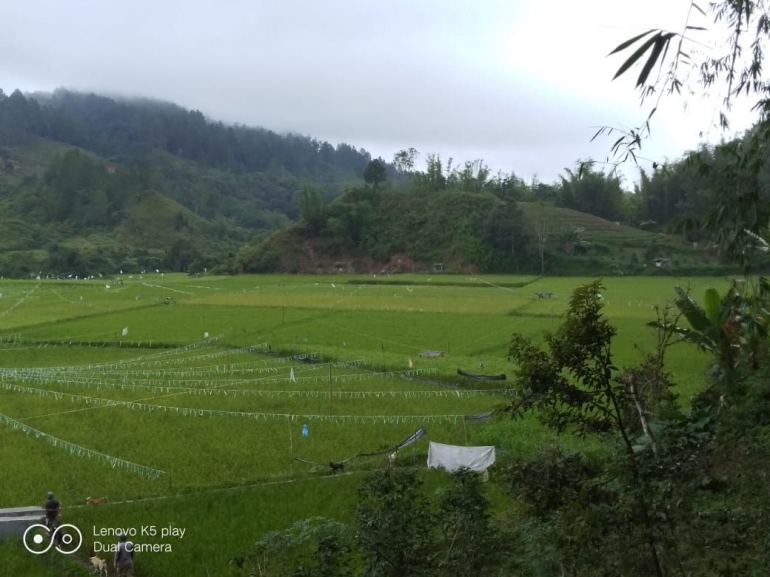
(470,544)
(403,533)
(399,529)
(592,192)
(312,208)
(656,502)
(375,173)
(309,548)
(112,128)
(575,387)
(740,211)
(571,385)
(477,228)
(395,525)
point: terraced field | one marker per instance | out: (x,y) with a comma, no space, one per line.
(183,399)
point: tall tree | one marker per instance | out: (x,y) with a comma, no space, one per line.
(312,208)
(505,233)
(374,173)
(473,176)
(542,232)
(404,160)
(591,191)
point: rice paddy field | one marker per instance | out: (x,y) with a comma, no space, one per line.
(183,400)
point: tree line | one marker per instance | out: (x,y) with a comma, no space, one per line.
(246,182)
(118,128)
(132,132)
(464,212)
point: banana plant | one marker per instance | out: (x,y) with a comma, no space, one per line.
(712,325)
(732,327)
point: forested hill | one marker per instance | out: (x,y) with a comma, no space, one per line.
(148,134)
(131,127)
(77,171)
(96,184)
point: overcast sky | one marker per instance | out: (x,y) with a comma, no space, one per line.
(522,84)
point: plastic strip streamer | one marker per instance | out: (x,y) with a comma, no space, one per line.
(195,412)
(218,392)
(187,374)
(79,451)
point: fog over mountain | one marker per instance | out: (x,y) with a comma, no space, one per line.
(522,85)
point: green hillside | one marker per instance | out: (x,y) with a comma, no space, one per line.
(30,160)
(408,230)
(128,226)
(615,248)
(94,184)
(90,184)
(595,227)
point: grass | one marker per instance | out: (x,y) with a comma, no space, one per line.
(18,561)
(230,477)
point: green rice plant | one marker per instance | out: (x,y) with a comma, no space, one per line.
(112,370)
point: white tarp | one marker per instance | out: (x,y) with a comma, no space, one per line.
(452,457)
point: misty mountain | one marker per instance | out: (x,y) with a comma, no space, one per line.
(83,166)
(114,127)
(94,183)
(152,135)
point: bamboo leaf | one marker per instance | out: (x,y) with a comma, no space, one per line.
(634,57)
(698,8)
(661,41)
(628,43)
(600,132)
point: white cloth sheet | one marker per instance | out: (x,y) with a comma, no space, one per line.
(453,457)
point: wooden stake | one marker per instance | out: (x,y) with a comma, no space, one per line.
(291,448)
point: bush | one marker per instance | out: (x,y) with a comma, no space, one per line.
(315,547)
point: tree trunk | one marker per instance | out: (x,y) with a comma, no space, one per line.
(643,418)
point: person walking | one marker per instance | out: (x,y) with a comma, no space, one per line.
(124,557)
(53,516)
